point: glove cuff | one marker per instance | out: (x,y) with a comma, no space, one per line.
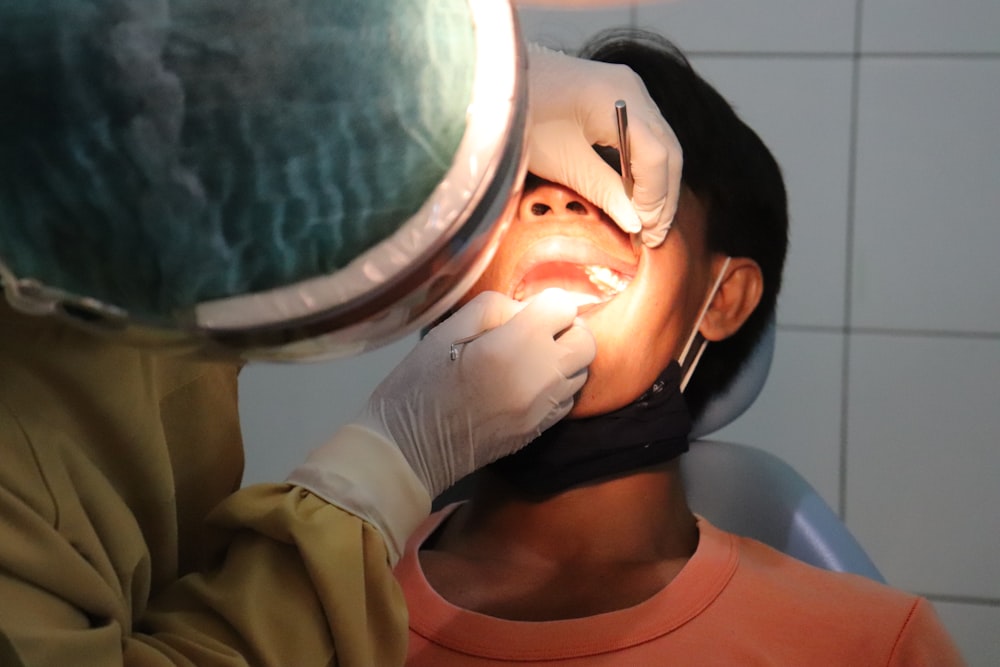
(363,473)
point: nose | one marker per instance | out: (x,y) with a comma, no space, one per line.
(549,200)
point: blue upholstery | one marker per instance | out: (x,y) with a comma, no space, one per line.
(753,493)
(742,391)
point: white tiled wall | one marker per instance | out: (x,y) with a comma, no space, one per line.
(930,26)
(765,26)
(928,202)
(555,29)
(922,460)
(286,410)
(885,115)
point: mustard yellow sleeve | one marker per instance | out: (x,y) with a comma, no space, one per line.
(297,582)
(109,461)
(294,581)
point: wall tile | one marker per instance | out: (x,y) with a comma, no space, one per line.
(797,415)
(801,109)
(976,630)
(922,461)
(567,30)
(926,233)
(922,26)
(288,409)
(799,26)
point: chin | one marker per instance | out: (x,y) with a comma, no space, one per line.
(599,397)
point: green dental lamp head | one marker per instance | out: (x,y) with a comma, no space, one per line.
(264,179)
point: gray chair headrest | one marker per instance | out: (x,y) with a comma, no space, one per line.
(742,391)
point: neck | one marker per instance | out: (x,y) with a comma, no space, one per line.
(635,518)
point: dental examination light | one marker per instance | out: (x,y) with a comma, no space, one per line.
(272,180)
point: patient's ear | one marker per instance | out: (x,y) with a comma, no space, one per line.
(738,295)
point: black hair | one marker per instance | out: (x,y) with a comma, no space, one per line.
(729,169)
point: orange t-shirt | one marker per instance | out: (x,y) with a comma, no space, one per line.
(736,602)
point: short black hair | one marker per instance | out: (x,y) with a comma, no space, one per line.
(729,169)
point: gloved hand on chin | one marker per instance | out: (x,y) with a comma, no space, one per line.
(435,420)
(571,108)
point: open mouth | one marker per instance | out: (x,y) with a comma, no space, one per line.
(587,284)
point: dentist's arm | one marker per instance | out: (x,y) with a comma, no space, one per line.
(435,420)
(300,573)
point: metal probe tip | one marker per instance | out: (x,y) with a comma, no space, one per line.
(625,159)
(456,345)
(624,151)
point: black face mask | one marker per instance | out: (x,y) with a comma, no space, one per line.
(652,429)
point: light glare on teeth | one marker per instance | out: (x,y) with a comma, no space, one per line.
(607,280)
(579,299)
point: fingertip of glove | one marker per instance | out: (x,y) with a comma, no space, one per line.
(624,214)
(555,415)
(580,351)
(555,301)
(654,238)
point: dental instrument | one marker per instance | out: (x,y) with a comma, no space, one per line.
(624,152)
(625,159)
(455,344)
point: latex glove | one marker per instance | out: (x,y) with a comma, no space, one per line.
(433,420)
(571,108)
(450,418)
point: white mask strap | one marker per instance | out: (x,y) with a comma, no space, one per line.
(696,343)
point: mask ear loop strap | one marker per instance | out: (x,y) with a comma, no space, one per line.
(697,343)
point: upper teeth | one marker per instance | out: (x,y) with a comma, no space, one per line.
(607,280)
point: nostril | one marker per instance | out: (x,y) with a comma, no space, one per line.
(540,209)
(576,207)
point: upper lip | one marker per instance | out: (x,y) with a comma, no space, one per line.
(574,250)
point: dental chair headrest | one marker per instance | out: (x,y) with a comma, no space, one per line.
(742,391)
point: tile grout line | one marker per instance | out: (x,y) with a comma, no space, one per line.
(843,55)
(960,599)
(852,160)
(946,55)
(896,332)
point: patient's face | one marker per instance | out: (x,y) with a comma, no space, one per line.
(641,305)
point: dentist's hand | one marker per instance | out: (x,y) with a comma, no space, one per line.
(571,108)
(434,420)
(451,417)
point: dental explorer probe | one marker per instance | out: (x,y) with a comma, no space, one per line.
(624,151)
(625,159)
(453,352)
